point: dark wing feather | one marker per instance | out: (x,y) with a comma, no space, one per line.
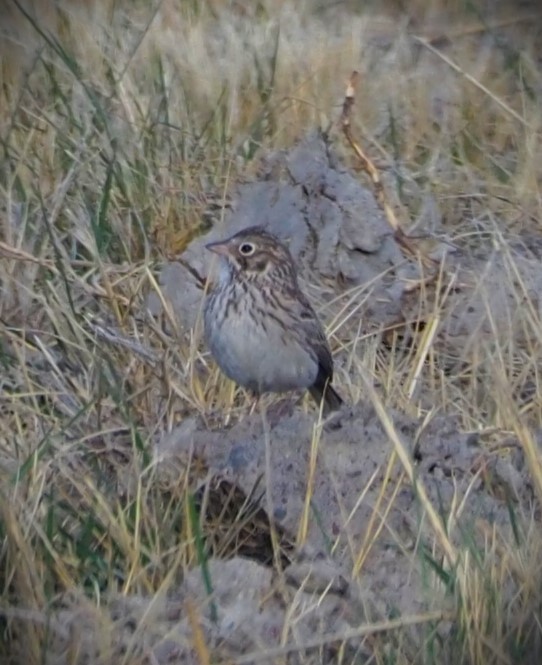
(316,339)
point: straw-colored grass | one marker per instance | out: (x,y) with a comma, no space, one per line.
(123,126)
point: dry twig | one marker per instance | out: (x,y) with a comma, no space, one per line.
(373,173)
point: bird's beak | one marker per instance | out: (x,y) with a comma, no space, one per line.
(220,248)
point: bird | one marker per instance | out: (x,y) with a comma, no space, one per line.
(260,327)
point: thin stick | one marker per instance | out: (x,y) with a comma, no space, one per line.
(373,173)
(366,163)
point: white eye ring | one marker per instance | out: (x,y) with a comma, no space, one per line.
(246,248)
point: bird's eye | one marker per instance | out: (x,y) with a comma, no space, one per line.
(247,248)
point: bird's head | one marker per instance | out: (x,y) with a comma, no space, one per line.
(255,255)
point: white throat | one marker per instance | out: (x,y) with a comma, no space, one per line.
(225,271)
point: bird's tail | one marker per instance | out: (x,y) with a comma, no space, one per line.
(332,400)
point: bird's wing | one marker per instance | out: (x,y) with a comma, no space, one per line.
(312,331)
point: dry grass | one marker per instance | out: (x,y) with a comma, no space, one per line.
(123,126)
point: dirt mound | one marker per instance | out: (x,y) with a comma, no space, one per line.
(330,504)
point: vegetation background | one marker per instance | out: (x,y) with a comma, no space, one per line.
(123,128)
